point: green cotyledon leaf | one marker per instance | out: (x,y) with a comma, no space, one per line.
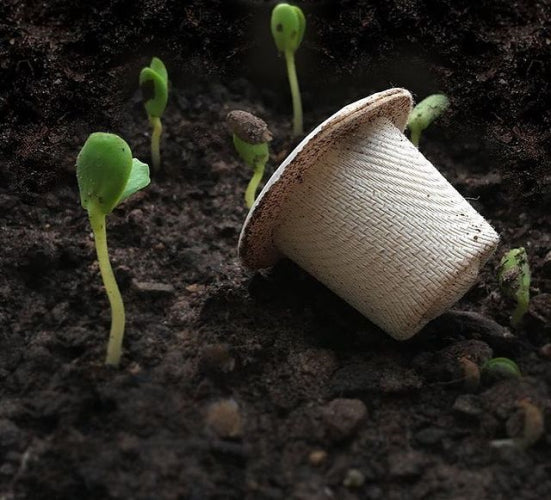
(288,25)
(138,179)
(103,168)
(154,86)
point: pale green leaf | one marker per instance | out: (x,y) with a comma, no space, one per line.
(159,67)
(139,178)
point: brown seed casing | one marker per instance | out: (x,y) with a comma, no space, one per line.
(248,127)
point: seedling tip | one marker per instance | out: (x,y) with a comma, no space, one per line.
(501,368)
(422,115)
(250,138)
(154,86)
(526,427)
(514,280)
(288,25)
(107,175)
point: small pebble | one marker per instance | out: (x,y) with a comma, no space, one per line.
(343,417)
(224,418)
(153,288)
(354,479)
(317,457)
(468,404)
(216,359)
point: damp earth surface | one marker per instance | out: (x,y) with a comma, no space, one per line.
(237,384)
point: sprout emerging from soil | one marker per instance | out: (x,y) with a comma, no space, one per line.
(471,374)
(288,25)
(501,368)
(514,280)
(250,138)
(107,175)
(154,85)
(422,115)
(525,427)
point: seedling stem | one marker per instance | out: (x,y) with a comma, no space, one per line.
(114,346)
(415,136)
(514,280)
(157,127)
(288,25)
(295,92)
(250,193)
(250,138)
(428,110)
(107,175)
(154,85)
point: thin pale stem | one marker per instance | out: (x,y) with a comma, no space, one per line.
(156,141)
(114,346)
(295,93)
(250,193)
(415,136)
(519,312)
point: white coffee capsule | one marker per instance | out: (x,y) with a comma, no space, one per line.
(362,210)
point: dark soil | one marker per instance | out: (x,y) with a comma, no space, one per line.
(258,385)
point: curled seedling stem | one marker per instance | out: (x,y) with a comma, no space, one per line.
(250,138)
(154,86)
(471,374)
(531,428)
(252,187)
(288,25)
(514,281)
(107,175)
(422,115)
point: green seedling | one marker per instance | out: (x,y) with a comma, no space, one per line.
(288,25)
(250,138)
(422,115)
(500,368)
(107,175)
(154,86)
(514,280)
